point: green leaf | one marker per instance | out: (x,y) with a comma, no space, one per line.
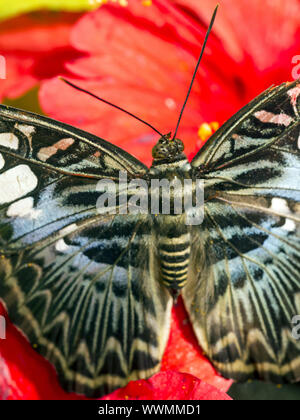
(9,9)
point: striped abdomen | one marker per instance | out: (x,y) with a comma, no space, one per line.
(174,253)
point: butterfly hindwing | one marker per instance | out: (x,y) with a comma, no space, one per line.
(91,303)
(81,286)
(244,285)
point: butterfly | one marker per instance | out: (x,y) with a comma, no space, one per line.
(93,292)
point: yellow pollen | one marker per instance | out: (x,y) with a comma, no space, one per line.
(147,3)
(207,129)
(214,125)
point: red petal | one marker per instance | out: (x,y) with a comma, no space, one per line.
(267,33)
(35,47)
(168,385)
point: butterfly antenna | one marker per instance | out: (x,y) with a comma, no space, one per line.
(196,68)
(109,103)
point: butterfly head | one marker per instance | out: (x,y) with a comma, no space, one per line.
(167,148)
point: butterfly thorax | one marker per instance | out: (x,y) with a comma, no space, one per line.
(170,168)
(169,173)
(169,159)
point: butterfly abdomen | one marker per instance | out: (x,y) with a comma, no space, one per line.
(174,250)
(174,257)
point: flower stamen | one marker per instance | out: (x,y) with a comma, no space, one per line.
(207,129)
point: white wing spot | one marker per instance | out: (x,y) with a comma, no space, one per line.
(61,246)
(279,205)
(45,153)
(299,142)
(289,225)
(2,161)
(28,130)
(16,182)
(23,208)
(9,140)
(269,117)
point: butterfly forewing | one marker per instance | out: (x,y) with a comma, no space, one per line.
(52,144)
(83,287)
(268,119)
(244,286)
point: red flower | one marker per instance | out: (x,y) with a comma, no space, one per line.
(267,33)
(168,385)
(34,47)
